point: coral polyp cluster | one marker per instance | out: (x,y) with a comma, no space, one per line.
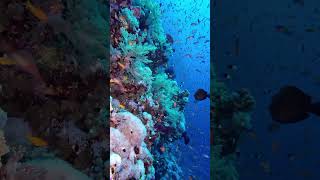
(147,105)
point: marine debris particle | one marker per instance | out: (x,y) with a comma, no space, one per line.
(146,102)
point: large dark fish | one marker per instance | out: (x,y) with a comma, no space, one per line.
(201,94)
(291,105)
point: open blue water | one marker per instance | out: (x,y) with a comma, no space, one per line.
(269,59)
(191,63)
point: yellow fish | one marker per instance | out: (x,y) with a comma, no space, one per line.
(37,12)
(114,81)
(121,65)
(122,106)
(6,61)
(36,141)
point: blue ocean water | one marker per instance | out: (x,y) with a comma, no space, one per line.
(278,45)
(188,22)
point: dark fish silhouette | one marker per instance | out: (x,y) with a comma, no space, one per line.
(201,94)
(170,38)
(291,105)
(185,138)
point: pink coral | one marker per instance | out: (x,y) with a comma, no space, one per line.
(119,143)
(127,140)
(132,128)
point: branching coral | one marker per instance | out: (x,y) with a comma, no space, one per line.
(130,18)
(153,21)
(142,73)
(133,46)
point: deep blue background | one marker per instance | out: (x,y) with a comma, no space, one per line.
(268,60)
(191,74)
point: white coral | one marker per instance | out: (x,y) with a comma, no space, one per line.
(115,164)
(118,143)
(127,142)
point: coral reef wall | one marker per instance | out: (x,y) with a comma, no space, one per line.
(53,61)
(146,110)
(230,119)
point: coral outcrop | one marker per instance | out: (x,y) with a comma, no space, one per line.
(230,112)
